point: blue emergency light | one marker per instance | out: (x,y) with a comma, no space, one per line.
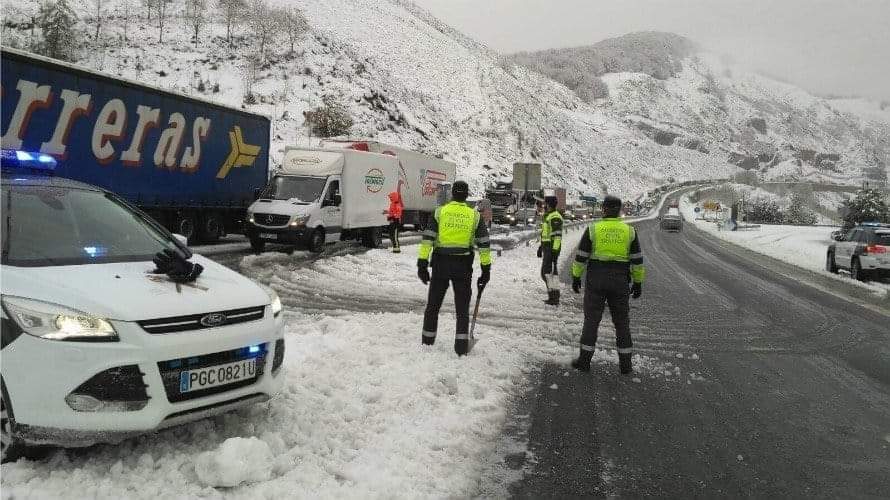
(27,162)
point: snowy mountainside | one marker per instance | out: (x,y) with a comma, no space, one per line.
(406,79)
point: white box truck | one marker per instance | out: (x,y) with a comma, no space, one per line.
(419,177)
(321,196)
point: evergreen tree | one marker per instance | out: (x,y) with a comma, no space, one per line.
(869,205)
(799,212)
(58,23)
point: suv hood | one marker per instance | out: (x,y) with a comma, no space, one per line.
(126,292)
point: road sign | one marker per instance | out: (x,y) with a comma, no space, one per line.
(527,176)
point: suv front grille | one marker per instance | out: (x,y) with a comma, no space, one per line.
(171,371)
(202,321)
(271,219)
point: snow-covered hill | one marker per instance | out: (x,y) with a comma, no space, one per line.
(411,80)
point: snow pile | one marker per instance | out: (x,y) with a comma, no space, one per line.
(236,461)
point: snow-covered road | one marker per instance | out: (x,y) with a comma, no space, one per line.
(366,411)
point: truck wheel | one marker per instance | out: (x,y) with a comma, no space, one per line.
(372,237)
(211,228)
(12,448)
(316,241)
(258,245)
(186,226)
(830,264)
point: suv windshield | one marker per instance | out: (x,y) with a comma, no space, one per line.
(303,189)
(57,226)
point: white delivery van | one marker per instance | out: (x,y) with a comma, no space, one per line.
(320,196)
(419,177)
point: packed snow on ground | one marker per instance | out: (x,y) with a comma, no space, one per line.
(366,411)
(803,246)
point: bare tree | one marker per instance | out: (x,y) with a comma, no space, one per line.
(196,15)
(98,17)
(294,24)
(264,24)
(150,6)
(126,15)
(161,12)
(232,11)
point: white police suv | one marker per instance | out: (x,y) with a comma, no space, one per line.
(96,345)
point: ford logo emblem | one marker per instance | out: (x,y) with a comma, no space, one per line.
(213,319)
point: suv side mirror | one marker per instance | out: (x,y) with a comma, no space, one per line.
(256,193)
(181,239)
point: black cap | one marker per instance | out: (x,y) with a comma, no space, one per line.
(611,204)
(460,190)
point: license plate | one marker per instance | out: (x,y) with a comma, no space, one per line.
(212,376)
(271,236)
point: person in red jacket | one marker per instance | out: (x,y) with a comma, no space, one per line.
(394,215)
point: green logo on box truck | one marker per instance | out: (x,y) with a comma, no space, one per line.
(374,180)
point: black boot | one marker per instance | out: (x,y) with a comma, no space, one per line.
(624,363)
(583,361)
(428,340)
(461,347)
(552,298)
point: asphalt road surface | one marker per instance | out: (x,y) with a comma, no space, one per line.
(791,397)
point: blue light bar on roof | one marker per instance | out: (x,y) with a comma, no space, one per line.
(25,161)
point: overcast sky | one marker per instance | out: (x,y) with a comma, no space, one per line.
(825,46)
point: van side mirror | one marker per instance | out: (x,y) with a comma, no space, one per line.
(181,239)
(337,200)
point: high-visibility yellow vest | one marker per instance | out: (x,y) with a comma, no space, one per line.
(610,241)
(548,233)
(456,235)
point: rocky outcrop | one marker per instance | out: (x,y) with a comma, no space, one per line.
(744,161)
(758,124)
(663,137)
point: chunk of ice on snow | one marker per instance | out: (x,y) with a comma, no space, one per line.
(694,356)
(636,380)
(554,387)
(237,460)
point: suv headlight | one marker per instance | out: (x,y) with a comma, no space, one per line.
(276,301)
(55,322)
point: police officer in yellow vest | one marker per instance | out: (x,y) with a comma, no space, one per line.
(548,251)
(610,251)
(455,230)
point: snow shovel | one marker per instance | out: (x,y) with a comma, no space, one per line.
(473,324)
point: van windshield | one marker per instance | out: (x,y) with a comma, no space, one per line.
(301,189)
(61,226)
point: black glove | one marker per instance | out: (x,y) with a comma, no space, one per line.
(540,251)
(164,261)
(188,274)
(636,290)
(486,276)
(423,271)
(176,267)
(576,285)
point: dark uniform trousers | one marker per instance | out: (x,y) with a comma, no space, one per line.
(548,262)
(458,271)
(607,283)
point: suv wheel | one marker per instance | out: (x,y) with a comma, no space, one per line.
(12,448)
(830,264)
(857,272)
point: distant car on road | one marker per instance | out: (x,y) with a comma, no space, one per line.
(672,220)
(864,251)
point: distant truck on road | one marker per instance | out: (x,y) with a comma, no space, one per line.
(192,164)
